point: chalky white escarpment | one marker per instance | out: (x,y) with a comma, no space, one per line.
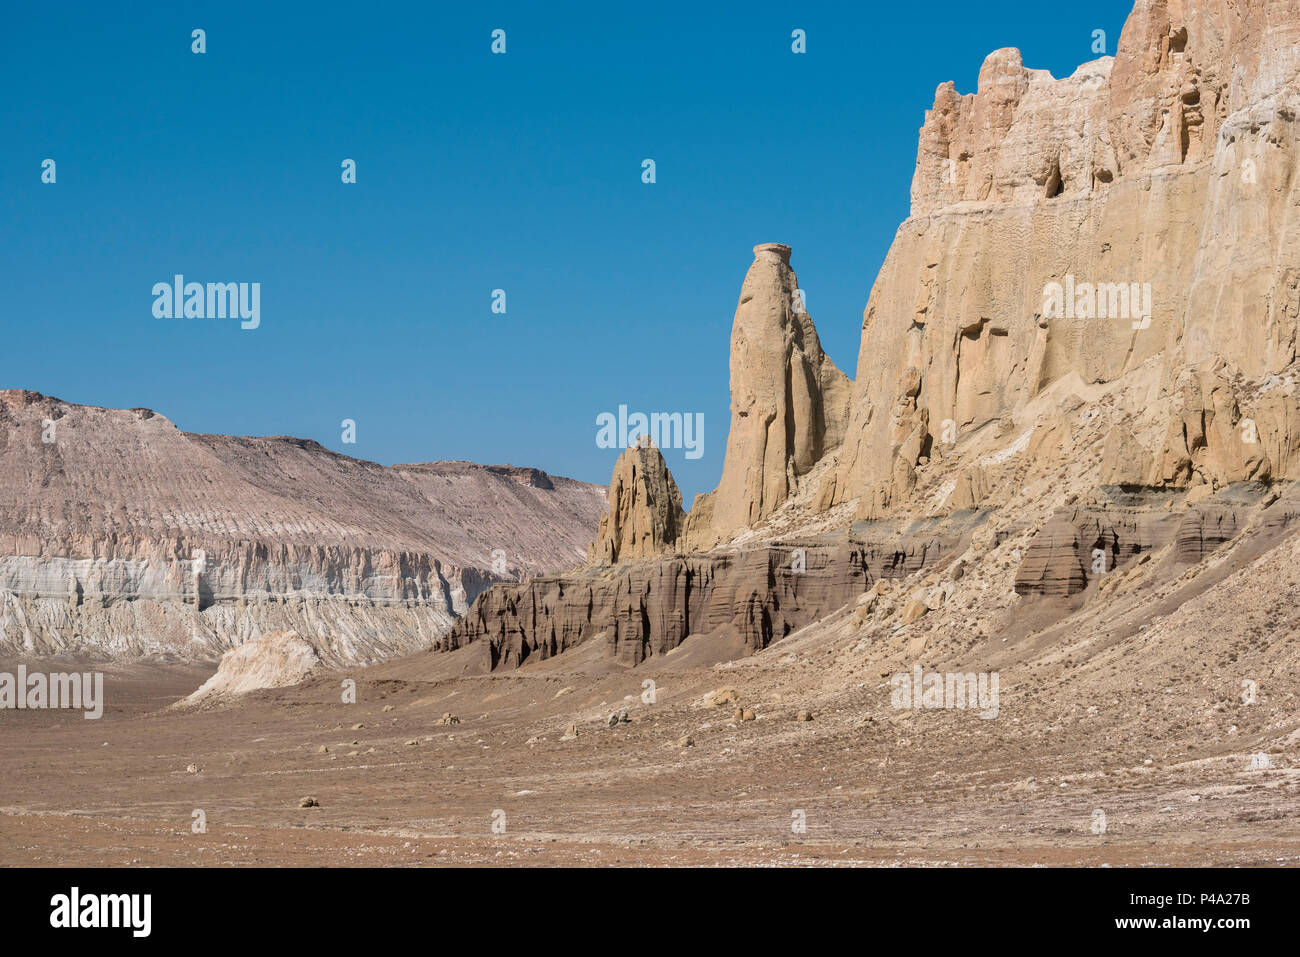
(125,536)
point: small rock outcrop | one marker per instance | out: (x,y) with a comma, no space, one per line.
(645,514)
(277,660)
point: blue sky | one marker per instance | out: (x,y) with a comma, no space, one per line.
(474,172)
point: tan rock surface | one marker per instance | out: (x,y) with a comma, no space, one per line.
(788,402)
(1170,164)
(276,660)
(645,514)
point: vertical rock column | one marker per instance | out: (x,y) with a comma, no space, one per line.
(789,402)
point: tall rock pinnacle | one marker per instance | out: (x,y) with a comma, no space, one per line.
(789,402)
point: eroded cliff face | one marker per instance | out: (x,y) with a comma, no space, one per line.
(788,402)
(1080,546)
(124,536)
(745,599)
(1173,165)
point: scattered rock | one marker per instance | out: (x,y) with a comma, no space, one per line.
(721,697)
(915,608)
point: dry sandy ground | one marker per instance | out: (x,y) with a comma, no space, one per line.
(906,788)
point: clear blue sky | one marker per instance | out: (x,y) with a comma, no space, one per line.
(475,172)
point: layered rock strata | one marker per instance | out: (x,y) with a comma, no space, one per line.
(1079,546)
(124,536)
(644,609)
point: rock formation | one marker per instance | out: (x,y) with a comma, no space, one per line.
(789,402)
(1083,336)
(1136,212)
(125,536)
(276,660)
(1091,313)
(645,513)
(1082,545)
(754,596)
(1209,441)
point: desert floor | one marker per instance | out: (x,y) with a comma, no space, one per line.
(874,785)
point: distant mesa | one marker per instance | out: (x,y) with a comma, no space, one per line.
(363,561)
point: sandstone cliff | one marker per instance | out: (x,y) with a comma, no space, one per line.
(123,535)
(789,402)
(1041,210)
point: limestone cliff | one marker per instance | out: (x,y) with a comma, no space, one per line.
(123,536)
(1137,215)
